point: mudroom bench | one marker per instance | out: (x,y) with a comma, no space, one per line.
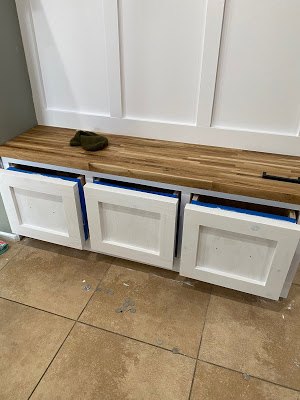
(224,216)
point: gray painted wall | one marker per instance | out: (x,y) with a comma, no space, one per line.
(16,106)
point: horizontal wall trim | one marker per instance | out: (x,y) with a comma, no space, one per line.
(254,141)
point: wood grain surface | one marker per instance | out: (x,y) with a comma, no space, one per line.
(203,167)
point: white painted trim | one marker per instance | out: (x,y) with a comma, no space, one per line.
(32,57)
(13,237)
(210,57)
(292,271)
(111,25)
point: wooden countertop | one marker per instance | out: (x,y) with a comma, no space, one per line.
(204,167)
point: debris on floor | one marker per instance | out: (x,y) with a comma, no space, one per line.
(297,363)
(291,305)
(175,350)
(246,377)
(3,247)
(87,287)
(128,305)
(189,283)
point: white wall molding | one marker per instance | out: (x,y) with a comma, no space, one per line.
(210,58)
(203,129)
(13,237)
(32,57)
(112,41)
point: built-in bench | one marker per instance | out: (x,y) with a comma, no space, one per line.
(207,212)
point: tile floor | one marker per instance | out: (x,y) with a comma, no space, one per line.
(78,325)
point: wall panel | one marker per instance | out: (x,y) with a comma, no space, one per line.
(215,72)
(161,45)
(71,47)
(258,81)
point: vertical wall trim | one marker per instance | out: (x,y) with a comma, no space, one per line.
(112,40)
(211,49)
(32,58)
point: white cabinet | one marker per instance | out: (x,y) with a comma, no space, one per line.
(43,207)
(239,249)
(132,224)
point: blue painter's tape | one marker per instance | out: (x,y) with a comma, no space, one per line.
(80,191)
(244,211)
(174,195)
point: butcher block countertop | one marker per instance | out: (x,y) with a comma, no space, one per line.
(203,167)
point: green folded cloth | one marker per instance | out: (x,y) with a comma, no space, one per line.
(3,247)
(90,141)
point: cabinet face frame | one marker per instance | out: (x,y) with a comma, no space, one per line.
(282,237)
(113,203)
(48,188)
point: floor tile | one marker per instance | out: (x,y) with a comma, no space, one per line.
(29,340)
(217,383)
(94,364)
(254,335)
(74,253)
(150,308)
(51,281)
(14,248)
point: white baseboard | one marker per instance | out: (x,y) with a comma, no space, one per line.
(10,236)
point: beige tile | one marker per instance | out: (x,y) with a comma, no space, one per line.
(14,248)
(69,252)
(297,277)
(29,340)
(51,281)
(93,364)
(255,336)
(168,313)
(217,383)
(165,273)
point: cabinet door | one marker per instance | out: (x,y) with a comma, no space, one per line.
(239,251)
(130,224)
(43,208)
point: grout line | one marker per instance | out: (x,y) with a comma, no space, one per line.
(97,327)
(251,376)
(135,339)
(51,361)
(38,309)
(11,259)
(75,321)
(100,281)
(194,374)
(53,313)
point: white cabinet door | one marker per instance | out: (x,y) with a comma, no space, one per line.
(43,208)
(131,224)
(239,251)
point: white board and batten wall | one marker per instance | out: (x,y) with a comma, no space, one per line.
(216,72)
